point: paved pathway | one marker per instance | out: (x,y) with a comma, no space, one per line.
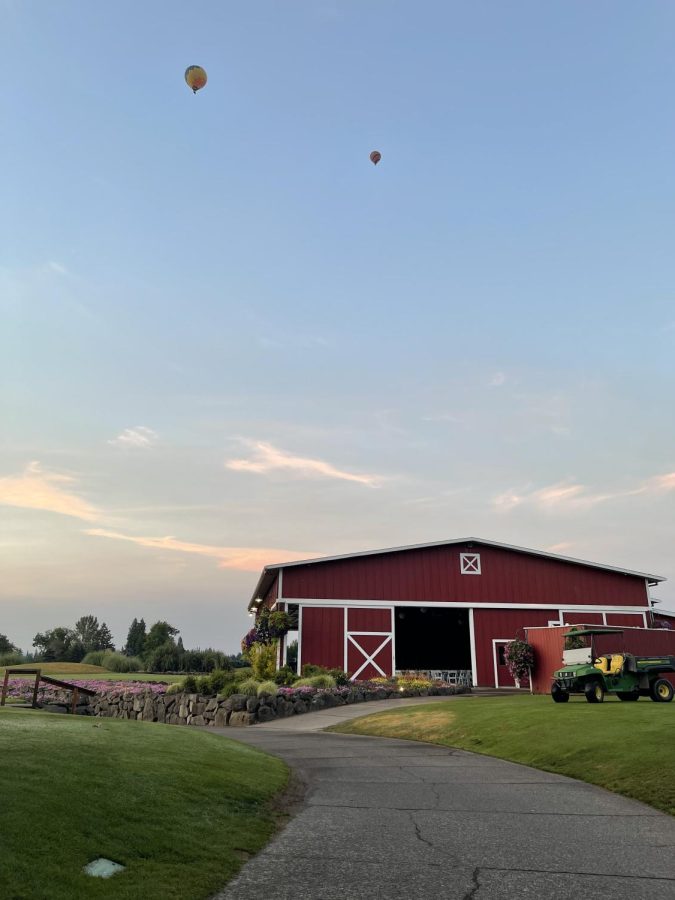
(386,819)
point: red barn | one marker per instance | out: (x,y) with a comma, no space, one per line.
(450,605)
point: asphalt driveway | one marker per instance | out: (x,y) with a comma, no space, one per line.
(380,818)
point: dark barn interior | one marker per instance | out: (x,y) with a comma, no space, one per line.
(432,638)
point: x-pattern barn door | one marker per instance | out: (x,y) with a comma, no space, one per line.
(369,642)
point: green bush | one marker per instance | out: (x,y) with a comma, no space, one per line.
(268,688)
(95,658)
(309,669)
(263,660)
(323,681)
(242,673)
(285,676)
(341,677)
(176,688)
(117,662)
(189,685)
(10,658)
(232,687)
(248,687)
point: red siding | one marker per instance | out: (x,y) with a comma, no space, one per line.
(547,644)
(584,618)
(493,624)
(369,620)
(322,633)
(433,573)
(632,620)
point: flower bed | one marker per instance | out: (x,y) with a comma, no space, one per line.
(21,689)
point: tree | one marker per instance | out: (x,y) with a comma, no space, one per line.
(6,645)
(135,645)
(93,636)
(159,635)
(59,645)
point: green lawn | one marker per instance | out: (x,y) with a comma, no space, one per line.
(181,808)
(624,747)
(81,672)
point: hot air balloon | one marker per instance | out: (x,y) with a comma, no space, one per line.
(375,157)
(195,78)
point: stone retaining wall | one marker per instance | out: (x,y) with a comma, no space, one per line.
(238,709)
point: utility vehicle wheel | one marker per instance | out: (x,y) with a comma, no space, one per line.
(558,694)
(628,695)
(662,691)
(594,691)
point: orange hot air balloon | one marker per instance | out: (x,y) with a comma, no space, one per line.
(195,78)
(375,157)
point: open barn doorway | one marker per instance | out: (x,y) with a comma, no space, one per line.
(432,638)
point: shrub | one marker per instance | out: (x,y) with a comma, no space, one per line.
(10,658)
(190,685)
(248,687)
(263,660)
(285,676)
(95,658)
(341,677)
(323,681)
(268,688)
(242,673)
(117,662)
(176,688)
(230,688)
(310,669)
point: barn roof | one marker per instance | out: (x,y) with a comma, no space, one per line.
(269,572)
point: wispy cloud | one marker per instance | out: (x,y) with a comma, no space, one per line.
(57,267)
(441,417)
(245,559)
(37,489)
(497,379)
(266,458)
(140,437)
(567,494)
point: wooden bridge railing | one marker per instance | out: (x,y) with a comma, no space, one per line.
(76,689)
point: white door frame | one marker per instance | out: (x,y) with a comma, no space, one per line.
(351,637)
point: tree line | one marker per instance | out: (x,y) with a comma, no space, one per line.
(155,649)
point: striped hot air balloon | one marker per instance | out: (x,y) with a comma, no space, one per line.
(375,157)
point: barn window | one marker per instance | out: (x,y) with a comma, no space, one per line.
(469,563)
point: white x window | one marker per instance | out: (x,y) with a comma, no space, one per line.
(469,563)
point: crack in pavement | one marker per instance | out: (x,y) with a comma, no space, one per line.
(476,885)
(418,832)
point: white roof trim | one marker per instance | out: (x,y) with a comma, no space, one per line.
(653,579)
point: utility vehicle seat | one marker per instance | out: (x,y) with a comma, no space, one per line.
(602,663)
(616,664)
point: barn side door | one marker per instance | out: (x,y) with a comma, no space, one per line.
(369,642)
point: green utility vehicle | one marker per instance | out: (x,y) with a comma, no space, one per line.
(624,674)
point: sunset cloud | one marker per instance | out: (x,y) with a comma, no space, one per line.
(267,458)
(245,559)
(569,495)
(37,489)
(140,437)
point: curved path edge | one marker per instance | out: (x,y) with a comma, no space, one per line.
(396,819)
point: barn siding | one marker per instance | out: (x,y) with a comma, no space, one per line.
(493,624)
(632,620)
(369,620)
(433,574)
(322,636)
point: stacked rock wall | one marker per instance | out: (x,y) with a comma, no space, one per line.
(238,709)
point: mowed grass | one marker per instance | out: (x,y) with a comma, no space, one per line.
(628,748)
(180,808)
(68,671)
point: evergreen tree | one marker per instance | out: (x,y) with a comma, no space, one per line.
(136,638)
(93,636)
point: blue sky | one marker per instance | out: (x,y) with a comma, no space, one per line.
(224,326)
